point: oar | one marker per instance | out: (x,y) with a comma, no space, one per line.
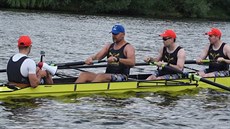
(99,66)
(197,78)
(42,53)
(194,61)
(196,70)
(80,64)
(105,65)
(70,64)
(2,70)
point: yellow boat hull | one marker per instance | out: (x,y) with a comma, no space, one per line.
(113,87)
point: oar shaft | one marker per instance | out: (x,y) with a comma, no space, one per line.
(215,84)
(76,64)
(70,64)
(199,78)
(2,70)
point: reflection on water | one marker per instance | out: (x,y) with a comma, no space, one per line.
(20,109)
(129,110)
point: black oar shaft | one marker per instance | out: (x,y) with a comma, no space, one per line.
(78,63)
(2,70)
(199,78)
(71,64)
(215,84)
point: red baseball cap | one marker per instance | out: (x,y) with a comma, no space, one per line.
(215,32)
(168,33)
(24,40)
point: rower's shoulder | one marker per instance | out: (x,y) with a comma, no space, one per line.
(227,47)
(129,46)
(107,45)
(226,44)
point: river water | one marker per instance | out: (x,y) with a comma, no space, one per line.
(68,37)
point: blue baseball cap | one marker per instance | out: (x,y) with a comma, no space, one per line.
(118,28)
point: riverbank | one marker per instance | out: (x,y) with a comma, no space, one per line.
(197,9)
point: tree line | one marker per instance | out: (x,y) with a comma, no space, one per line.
(215,9)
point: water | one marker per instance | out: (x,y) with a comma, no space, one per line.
(67,38)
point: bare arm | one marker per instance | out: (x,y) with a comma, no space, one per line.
(227,53)
(156,59)
(203,55)
(130,54)
(100,55)
(180,60)
(35,78)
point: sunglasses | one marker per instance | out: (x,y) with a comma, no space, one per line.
(115,34)
(165,39)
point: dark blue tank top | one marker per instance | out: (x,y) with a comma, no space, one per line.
(13,71)
(214,55)
(170,58)
(117,67)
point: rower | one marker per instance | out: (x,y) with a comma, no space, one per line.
(170,54)
(219,54)
(120,58)
(22,71)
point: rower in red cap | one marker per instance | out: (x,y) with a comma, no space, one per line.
(219,54)
(170,54)
(21,70)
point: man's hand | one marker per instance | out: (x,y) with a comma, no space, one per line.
(220,59)
(161,63)
(147,59)
(89,60)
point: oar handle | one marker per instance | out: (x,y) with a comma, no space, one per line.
(194,61)
(42,53)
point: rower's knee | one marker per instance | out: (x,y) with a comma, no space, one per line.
(201,73)
(209,75)
(101,77)
(82,77)
(151,77)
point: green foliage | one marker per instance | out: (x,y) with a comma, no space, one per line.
(193,8)
(104,6)
(41,4)
(156,8)
(221,5)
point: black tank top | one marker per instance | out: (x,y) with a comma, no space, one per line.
(116,67)
(214,55)
(13,71)
(170,58)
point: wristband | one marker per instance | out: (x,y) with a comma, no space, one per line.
(117,59)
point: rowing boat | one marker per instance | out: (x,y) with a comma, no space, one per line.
(66,86)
